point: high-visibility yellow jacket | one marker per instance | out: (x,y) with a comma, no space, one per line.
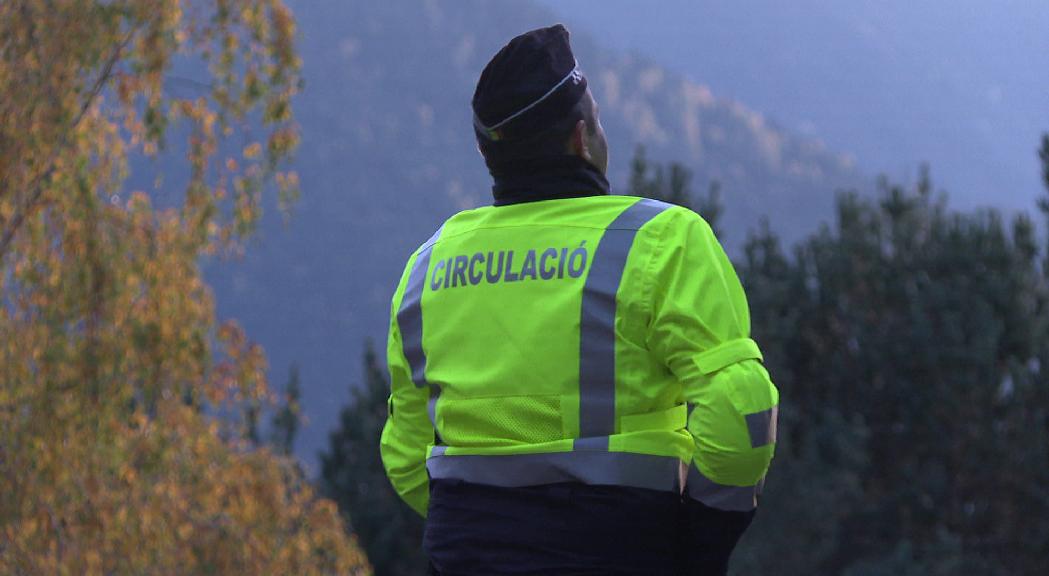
(602,339)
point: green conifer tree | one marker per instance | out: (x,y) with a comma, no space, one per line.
(908,342)
(673,184)
(352,474)
(288,419)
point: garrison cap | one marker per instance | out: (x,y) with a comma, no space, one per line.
(527,86)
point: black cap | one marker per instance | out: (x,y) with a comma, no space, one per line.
(529,84)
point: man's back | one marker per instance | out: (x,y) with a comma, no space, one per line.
(526,340)
(523,360)
(541,338)
(573,385)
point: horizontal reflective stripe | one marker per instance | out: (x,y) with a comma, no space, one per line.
(728,353)
(591,443)
(720,496)
(589,467)
(762,427)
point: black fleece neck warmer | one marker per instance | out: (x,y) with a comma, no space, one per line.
(567,176)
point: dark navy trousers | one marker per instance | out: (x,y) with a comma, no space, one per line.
(572,529)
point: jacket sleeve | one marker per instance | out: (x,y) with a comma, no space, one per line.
(408,432)
(700,327)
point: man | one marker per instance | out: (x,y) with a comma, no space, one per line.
(574,390)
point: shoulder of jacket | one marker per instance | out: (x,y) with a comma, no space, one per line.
(464,219)
(676,218)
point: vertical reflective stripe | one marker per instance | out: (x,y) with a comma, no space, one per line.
(431,409)
(410,314)
(720,496)
(597,336)
(762,427)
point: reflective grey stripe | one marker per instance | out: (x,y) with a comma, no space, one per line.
(607,468)
(739,498)
(410,314)
(762,427)
(499,124)
(598,443)
(431,409)
(597,336)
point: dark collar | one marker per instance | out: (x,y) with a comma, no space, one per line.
(548,179)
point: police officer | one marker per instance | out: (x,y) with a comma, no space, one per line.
(574,389)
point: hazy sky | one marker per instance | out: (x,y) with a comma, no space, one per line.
(962,84)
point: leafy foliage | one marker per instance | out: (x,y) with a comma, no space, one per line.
(111,362)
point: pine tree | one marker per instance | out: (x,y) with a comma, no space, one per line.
(673,184)
(288,418)
(352,474)
(907,341)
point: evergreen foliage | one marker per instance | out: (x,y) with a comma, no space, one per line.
(352,475)
(909,343)
(288,419)
(673,184)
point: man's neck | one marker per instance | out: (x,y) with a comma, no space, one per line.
(551,178)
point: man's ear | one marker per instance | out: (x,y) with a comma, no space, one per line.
(580,145)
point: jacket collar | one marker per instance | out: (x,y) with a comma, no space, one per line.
(567,176)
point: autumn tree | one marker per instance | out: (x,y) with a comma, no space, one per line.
(122,400)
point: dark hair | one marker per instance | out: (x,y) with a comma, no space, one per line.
(547,143)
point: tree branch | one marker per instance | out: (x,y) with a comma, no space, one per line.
(38,184)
